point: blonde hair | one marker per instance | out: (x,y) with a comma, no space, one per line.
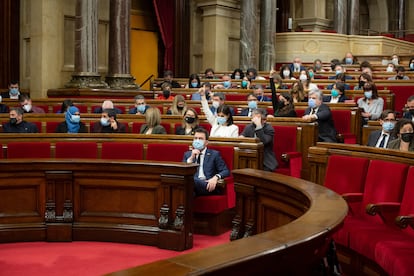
(174,109)
(153,117)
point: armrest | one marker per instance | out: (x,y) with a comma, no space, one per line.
(386,210)
(340,138)
(291,155)
(404,221)
(352,197)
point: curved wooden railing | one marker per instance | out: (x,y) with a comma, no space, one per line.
(294,220)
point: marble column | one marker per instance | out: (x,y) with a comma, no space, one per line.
(340,16)
(353,17)
(119,76)
(248,34)
(267,34)
(86,46)
(401,19)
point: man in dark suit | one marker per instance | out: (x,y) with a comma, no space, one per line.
(16,123)
(296,66)
(409,109)
(321,113)
(252,105)
(212,167)
(381,138)
(140,106)
(265,132)
(13,92)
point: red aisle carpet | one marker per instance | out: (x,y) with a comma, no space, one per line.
(86,258)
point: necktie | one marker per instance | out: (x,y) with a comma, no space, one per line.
(200,160)
(382,143)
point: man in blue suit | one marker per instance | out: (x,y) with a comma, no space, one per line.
(212,167)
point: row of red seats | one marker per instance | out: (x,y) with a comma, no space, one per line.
(377,193)
(213,205)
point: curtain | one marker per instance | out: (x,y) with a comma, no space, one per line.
(164,10)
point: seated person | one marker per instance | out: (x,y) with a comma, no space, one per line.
(238,74)
(26,104)
(252,105)
(337,94)
(65,105)
(341,77)
(140,106)
(265,132)
(166,92)
(362,80)
(108,123)
(404,129)
(152,122)
(16,123)
(209,73)
(286,73)
(390,68)
(13,92)
(400,74)
(296,66)
(178,106)
(72,123)
(371,104)
(226,84)
(168,78)
(245,83)
(381,138)
(349,59)
(217,99)
(318,66)
(282,104)
(251,74)
(339,69)
(411,64)
(193,81)
(298,92)
(321,113)
(222,124)
(190,123)
(259,93)
(409,109)
(212,166)
(306,80)
(107,104)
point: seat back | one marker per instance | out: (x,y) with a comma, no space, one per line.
(28,150)
(384,183)
(166,152)
(346,174)
(76,150)
(51,126)
(284,141)
(342,120)
(407,203)
(121,150)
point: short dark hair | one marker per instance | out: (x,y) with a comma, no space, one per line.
(400,69)
(411,98)
(202,130)
(168,73)
(385,113)
(18,110)
(260,111)
(23,97)
(110,111)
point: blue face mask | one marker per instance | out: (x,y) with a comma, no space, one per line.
(412,66)
(244,84)
(194,84)
(14,91)
(75,119)
(334,93)
(198,144)
(226,84)
(105,122)
(141,108)
(348,60)
(368,94)
(312,103)
(252,104)
(221,120)
(337,72)
(388,126)
(237,77)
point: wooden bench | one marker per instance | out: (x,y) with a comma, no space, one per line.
(290,218)
(378,185)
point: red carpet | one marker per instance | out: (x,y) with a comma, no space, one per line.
(85,258)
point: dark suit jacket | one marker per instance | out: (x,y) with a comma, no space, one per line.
(244,112)
(326,128)
(342,98)
(213,164)
(408,115)
(99,110)
(292,67)
(23,127)
(374,136)
(266,135)
(4,108)
(134,110)
(156,130)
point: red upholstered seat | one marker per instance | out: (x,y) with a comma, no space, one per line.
(284,145)
(51,126)
(342,120)
(166,152)
(121,150)
(39,126)
(236,97)
(28,150)
(218,203)
(384,183)
(76,150)
(207,126)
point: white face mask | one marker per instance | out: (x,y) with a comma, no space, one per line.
(390,69)
(395,61)
(286,73)
(27,107)
(215,104)
(303,77)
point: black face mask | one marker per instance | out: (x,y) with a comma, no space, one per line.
(361,83)
(411,111)
(209,77)
(400,77)
(166,93)
(13,121)
(407,137)
(180,107)
(190,120)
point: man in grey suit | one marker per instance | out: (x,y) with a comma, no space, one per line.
(265,132)
(381,138)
